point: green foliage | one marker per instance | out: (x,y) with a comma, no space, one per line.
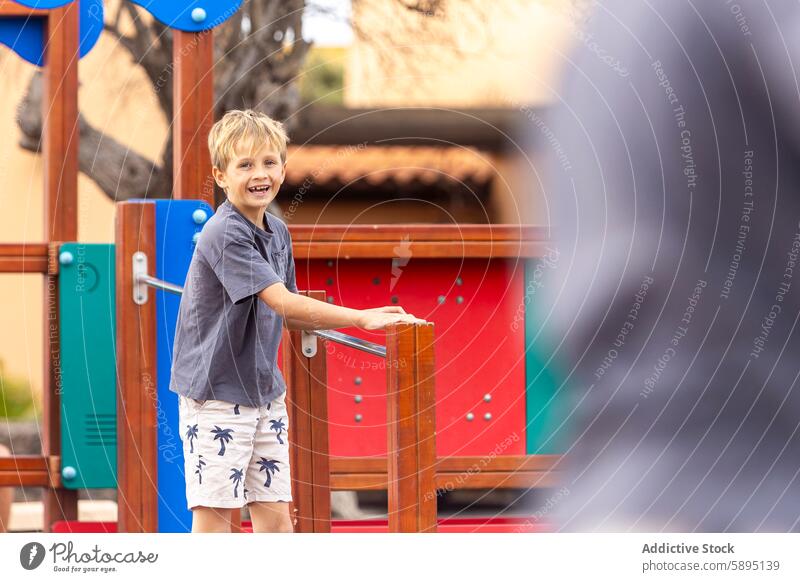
(16,397)
(322,79)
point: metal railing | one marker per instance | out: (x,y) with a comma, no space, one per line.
(334,336)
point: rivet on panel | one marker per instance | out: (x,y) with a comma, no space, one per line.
(199,216)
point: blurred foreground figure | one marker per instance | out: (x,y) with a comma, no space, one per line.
(675,200)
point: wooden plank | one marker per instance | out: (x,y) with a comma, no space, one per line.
(502,472)
(193,59)
(307,408)
(23,257)
(418,232)
(497,480)
(447,481)
(30,471)
(60,153)
(388,250)
(511,463)
(411,446)
(136,375)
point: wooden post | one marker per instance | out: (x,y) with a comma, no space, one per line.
(193,60)
(137,462)
(411,422)
(60,149)
(307,407)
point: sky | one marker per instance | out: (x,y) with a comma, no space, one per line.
(327,22)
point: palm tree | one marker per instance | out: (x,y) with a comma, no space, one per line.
(270,466)
(191,434)
(223,435)
(199,472)
(244,491)
(236,477)
(278,427)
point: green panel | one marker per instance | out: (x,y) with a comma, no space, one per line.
(88,372)
(546,398)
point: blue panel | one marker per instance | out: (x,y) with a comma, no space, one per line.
(191,15)
(175,229)
(43,4)
(25,36)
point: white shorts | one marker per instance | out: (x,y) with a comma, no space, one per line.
(234,454)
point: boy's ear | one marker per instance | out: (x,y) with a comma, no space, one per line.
(219,177)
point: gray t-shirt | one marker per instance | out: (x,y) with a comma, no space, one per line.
(226,338)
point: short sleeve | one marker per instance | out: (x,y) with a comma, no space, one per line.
(243,272)
(291,278)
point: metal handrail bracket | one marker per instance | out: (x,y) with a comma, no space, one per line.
(142,280)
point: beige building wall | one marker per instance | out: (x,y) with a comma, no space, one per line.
(115,97)
(499,54)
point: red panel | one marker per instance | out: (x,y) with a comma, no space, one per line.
(478,351)
(470,525)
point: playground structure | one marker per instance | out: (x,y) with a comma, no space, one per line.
(489,269)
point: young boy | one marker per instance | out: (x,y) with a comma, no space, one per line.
(240,290)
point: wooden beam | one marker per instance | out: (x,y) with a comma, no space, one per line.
(24,258)
(487,472)
(193,60)
(419,241)
(60,152)
(411,424)
(137,479)
(307,405)
(30,471)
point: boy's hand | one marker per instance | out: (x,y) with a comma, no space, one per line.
(387,309)
(380,317)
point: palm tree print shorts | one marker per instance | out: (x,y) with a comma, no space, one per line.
(234,454)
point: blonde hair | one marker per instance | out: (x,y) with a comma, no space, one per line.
(248,127)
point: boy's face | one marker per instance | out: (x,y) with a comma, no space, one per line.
(252,179)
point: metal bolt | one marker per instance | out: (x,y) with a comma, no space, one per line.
(357,380)
(487,416)
(195,237)
(329,282)
(69,473)
(459,299)
(198,14)
(395,299)
(199,216)
(358,417)
(470,416)
(487,397)
(358,398)
(376,281)
(459,281)
(330,263)
(330,298)
(65,258)
(309,351)
(440,299)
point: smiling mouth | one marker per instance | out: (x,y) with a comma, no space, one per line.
(258,189)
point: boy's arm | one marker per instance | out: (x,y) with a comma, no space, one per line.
(299,310)
(299,324)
